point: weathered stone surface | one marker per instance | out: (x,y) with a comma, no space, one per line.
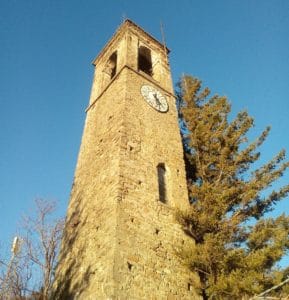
(120,241)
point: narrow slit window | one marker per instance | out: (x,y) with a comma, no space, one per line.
(162,182)
(145,60)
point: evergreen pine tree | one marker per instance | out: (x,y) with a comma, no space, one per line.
(236,244)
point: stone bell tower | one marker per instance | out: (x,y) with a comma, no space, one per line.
(121,239)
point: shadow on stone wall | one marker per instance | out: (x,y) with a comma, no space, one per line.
(69,265)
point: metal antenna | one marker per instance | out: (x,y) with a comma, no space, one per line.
(164,42)
(124,17)
(11,268)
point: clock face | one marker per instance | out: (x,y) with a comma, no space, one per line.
(154,98)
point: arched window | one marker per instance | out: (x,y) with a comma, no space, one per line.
(111,65)
(161,170)
(145,60)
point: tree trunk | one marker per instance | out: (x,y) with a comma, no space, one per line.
(204,295)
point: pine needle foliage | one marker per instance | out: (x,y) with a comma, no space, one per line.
(236,245)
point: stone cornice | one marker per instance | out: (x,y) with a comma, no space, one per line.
(142,74)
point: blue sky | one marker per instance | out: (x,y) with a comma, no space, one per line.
(238,48)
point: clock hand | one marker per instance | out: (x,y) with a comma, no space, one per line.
(157,99)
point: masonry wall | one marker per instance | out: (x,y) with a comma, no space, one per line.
(88,246)
(149,239)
